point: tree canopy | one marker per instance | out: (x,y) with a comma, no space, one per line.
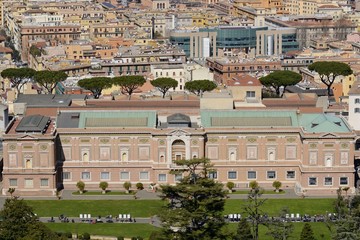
(164,84)
(278,79)
(196,203)
(19,222)
(329,71)
(252,208)
(18,76)
(198,87)
(129,84)
(96,85)
(243,231)
(48,79)
(307,233)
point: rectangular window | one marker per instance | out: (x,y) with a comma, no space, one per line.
(162,177)
(144,176)
(213,175)
(105,176)
(13,182)
(44,182)
(178,177)
(85,175)
(250,94)
(66,175)
(29,183)
(290,174)
(328,181)
(312,181)
(344,181)
(124,176)
(271,174)
(251,175)
(232,175)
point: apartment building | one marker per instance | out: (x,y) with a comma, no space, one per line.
(313,26)
(225,69)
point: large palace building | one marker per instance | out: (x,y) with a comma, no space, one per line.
(312,153)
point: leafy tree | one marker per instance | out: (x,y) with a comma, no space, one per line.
(49,79)
(253,184)
(19,222)
(280,230)
(96,85)
(278,79)
(307,233)
(18,76)
(103,186)
(11,191)
(127,186)
(230,186)
(340,204)
(243,231)
(129,84)
(164,84)
(277,185)
(348,227)
(139,186)
(81,186)
(328,71)
(198,87)
(196,203)
(252,208)
(355,202)
(346,189)
(35,51)
(85,236)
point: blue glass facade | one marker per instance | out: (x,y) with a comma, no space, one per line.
(243,38)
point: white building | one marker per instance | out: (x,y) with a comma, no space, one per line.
(175,71)
(354,106)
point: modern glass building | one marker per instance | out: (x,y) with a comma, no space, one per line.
(196,43)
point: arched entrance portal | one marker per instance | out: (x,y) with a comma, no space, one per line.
(178,150)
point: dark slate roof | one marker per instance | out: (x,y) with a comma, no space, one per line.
(68,119)
(33,123)
(48,100)
(108,5)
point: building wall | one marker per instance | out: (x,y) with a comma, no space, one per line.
(240,155)
(30,164)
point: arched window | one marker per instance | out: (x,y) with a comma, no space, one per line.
(85,157)
(124,156)
(28,163)
(232,156)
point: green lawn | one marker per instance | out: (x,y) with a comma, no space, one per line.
(105,229)
(272,207)
(144,230)
(320,230)
(72,208)
(265,192)
(147,208)
(107,193)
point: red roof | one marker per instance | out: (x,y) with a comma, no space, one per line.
(244,80)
